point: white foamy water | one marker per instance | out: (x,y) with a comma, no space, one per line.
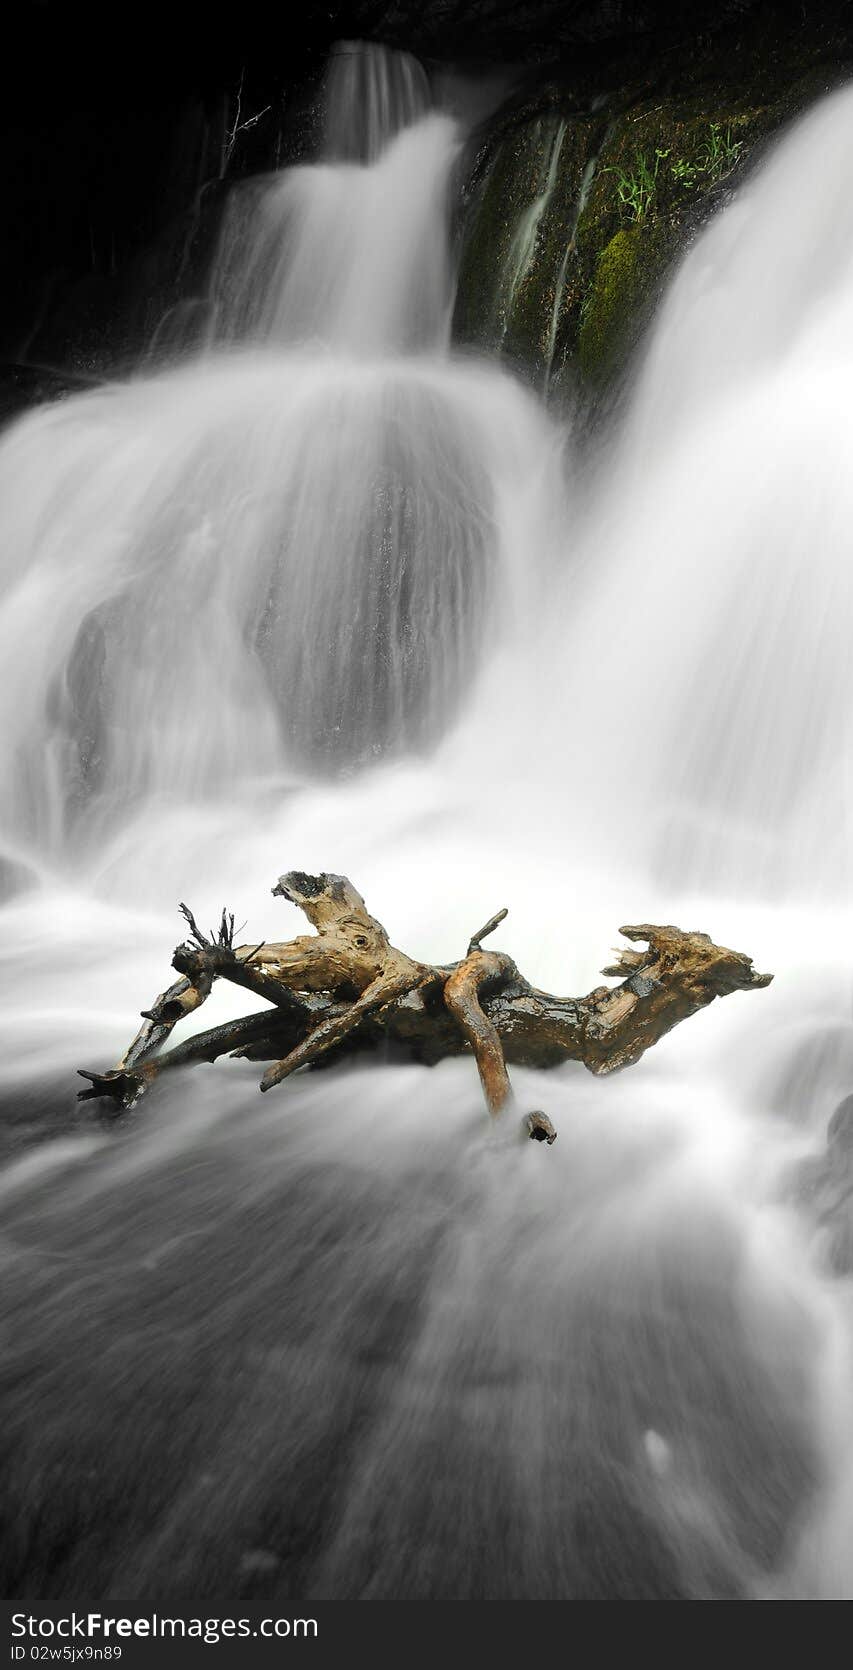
(322,598)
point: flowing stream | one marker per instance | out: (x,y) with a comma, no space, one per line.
(324,595)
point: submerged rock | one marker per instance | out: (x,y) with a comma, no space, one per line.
(826,1184)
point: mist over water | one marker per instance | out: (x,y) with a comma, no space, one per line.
(327,595)
(724,512)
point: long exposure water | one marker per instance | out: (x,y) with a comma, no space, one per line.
(327,595)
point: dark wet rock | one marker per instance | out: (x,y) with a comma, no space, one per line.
(825,1186)
(578,203)
(839,1134)
(238,1364)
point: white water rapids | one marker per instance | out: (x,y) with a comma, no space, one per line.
(328,596)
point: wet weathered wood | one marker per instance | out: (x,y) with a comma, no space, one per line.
(347,987)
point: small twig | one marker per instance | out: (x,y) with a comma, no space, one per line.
(251,954)
(224,935)
(476,939)
(195,931)
(239,126)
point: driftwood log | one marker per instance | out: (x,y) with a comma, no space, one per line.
(347,987)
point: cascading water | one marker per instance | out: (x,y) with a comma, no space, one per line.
(727,531)
(325,514)
(522,248)
(333,1341)
(344,255)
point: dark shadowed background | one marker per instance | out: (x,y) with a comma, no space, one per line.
(113,119)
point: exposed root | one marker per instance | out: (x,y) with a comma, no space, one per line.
(346,986)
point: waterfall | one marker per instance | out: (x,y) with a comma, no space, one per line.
(725,512)
(322,506)
(371,95)
(325,594)
(343,253)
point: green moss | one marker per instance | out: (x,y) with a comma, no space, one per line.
(624,249)
(611,303)
(620,298)
(577,303)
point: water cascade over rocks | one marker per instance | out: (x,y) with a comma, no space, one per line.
(326,595)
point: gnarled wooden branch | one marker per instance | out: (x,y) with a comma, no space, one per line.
(346,986)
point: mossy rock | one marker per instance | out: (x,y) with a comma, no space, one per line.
(569,302)
(546,211)
(515,236)
(624,252)
(610,309)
